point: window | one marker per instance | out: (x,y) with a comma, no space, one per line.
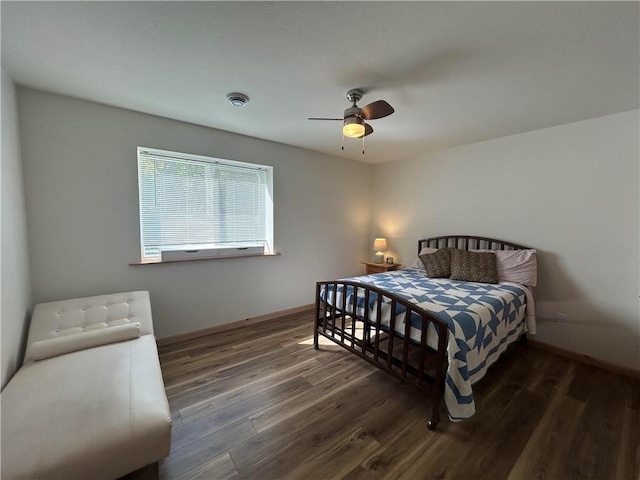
(194,206)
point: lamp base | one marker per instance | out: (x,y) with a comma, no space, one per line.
(379,257)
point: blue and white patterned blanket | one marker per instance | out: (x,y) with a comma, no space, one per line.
(483,319)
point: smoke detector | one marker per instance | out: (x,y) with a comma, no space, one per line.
(237,99)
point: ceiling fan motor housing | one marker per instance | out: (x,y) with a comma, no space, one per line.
(352,112)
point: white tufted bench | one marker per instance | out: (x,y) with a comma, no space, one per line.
(89,402)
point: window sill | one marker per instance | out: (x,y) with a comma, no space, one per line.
(221,257)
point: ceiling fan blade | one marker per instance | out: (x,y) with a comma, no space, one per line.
(377,109)
(368,130)
(315,118)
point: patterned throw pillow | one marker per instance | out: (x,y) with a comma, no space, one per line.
(437,264)
(474,266)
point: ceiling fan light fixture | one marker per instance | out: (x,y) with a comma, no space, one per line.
(353,127)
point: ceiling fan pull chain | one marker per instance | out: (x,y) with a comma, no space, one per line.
(363,144)
(343,141)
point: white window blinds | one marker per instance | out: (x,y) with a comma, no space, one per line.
(189,202)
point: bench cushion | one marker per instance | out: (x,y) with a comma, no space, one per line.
(95,413)
(56,320)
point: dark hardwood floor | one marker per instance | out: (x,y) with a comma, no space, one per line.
(259,402)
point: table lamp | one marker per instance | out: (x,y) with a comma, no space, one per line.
(379,246)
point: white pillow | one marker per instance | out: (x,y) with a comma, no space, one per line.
(417,263)
(517,266)
(53,347)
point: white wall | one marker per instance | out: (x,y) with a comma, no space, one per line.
(82,202)
(569,191)
(15,275)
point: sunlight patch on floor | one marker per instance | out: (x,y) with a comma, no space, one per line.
(325,341)
(321,341)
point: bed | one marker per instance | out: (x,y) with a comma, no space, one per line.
(436,333)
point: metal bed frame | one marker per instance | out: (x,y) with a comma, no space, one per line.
(392,351)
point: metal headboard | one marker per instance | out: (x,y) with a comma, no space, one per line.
(467,242)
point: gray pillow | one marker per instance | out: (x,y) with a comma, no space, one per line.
(438,263)
(474,266)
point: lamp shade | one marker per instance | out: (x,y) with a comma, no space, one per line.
(379,245)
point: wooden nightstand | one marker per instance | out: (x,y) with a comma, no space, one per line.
(373,267)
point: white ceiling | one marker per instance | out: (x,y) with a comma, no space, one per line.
(456,72)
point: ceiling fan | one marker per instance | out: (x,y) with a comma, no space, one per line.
(354,124)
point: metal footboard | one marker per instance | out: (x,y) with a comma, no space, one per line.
(376,325)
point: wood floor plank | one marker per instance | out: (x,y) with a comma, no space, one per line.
(194,365)
(345,455)
(223,397)
(358,473)
(385,423)
(594,450)
(341,365)
(259,402)
(628,463)
(553,373)
(197,453)
(218,468)
(469,440)
(245,345)
(235,377)
(520,428)
(402,443)
(269,362)
(207,367)
(218,340)
(546,452)
(316,395)
(582,383)
(237,335)
(323,420)
(238,410)
(632,389)
(176,419)
(311,435)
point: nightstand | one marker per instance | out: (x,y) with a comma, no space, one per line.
(373,267)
